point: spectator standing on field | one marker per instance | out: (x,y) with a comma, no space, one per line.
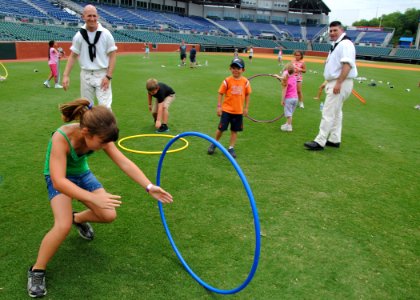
(146,50)
(251,54)
(183,53)
(236,53)
(95,48)
(280,56)
(53,60)
(193,58)
(340,69)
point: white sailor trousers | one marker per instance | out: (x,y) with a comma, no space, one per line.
(332,113)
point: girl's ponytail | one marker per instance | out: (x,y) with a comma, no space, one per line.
(74,110)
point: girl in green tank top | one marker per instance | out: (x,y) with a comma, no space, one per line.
(76,165)
(65,171)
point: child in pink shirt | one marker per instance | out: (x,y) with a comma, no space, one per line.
(53,57)
(289,95)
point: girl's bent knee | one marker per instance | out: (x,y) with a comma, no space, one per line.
(63,228)
(109,216)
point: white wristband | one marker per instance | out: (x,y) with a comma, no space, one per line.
(148,187)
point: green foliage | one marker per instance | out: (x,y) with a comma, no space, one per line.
(337,224)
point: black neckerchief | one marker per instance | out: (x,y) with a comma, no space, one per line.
(336,44)
(92,47)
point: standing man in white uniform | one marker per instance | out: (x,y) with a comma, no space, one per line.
(95,48)
(340,69)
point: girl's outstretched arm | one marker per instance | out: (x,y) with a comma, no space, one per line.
(134,172)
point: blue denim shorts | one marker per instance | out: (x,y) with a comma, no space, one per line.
(86,181)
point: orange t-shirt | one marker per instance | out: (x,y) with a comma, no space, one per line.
(235,91)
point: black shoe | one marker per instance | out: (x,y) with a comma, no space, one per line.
(331,144)
(36,283)
(85,229)
(232,152)
(163,128)
(313,146)
(211,149)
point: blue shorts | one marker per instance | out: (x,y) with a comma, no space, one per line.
(86,181)
(235,121)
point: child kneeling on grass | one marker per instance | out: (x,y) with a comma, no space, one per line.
(68,177)
(164,96)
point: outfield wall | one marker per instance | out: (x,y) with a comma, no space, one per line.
(36,50)
(39,50)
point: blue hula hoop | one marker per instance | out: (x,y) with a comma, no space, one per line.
(251,200)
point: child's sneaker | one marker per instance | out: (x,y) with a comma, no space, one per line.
(232,152)
(85,229)
(301,105)
(211,149)
(58,86)
(46,84)
(36,283)
(163,128)
(286,127)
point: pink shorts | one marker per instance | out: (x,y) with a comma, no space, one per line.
(53,70)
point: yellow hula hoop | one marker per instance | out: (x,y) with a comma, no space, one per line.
(5,70)
(151,135)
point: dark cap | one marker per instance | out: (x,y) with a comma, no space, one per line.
(238,62)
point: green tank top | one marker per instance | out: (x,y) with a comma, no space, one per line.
(76,165)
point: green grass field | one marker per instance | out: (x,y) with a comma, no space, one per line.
(336,224)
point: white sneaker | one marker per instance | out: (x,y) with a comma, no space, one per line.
(58,86)
(46,84)
(286,127)
(301,105)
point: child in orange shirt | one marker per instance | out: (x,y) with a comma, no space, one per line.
(234,91)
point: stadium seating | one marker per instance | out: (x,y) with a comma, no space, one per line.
(323,47)
(55,12)
(19,8)
(263,43)
(294,31)
(352,34)
(372,51)
(233,26)
(373,37)
(139,25)
(313,31)
(32,32)
(147,36)
(209,27)
(407,53)
(256,29)
(293,45)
